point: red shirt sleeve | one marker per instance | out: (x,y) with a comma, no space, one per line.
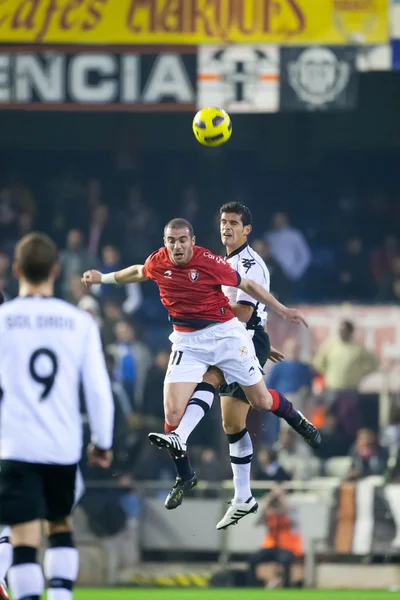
(222,272)
(148,266)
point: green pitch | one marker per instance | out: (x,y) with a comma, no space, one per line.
(224,594)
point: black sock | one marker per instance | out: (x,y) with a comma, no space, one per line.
(283,408)
(183,467)
(25,575)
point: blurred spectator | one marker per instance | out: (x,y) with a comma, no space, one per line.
(282,542)
(141,231)
(279,281)
(5,269)
(209,469)
(65,200)
(91,306)
(112,314)
(268,467)
(295,456)
(291,376)
(74,260)
(368,457)
(354,277)
(153,406)
(101,230)
(8,217)
(77,290)
(133,360)
(381,260)
(129,295)
(93,193)
(111,261)
(20,195)
(289,247)
(334,440)
(389,286)
(344,363)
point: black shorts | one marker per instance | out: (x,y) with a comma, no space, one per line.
(31,491)
(262,347)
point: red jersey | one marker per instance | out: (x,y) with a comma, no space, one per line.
(192,293)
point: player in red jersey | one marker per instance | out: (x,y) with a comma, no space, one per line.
(206,333)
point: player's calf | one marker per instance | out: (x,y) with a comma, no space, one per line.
(61,565)
(6,556)
(25,576)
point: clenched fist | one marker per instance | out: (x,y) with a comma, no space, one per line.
(91,277)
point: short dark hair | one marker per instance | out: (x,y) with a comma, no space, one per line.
(238,209)
(36,254)
(179,223)
(349,325)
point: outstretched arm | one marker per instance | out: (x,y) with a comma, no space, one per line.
(131,274)
(256,291)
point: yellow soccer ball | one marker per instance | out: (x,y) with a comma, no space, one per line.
(212,126)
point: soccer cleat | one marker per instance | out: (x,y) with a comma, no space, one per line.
(237,511)
(179,489)
(171,441)
(3,591)
(308,432)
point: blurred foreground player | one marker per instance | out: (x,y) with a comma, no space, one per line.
(46,348)
(206,333)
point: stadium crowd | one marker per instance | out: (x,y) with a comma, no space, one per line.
(113,219)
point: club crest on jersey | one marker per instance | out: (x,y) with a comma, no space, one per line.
(193,275)
(243,351)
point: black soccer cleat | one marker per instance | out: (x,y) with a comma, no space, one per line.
(308,432)
(171,441)
(179,489)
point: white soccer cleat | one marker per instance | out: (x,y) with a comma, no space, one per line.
(171,441)
(236,512)
(3,591)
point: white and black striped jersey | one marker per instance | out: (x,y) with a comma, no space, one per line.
(249,265)
(47,349)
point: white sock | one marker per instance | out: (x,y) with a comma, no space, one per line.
(26,580)
(61,566)
(6,552)
(198,405)
(241,453)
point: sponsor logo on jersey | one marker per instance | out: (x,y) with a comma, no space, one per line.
(248,263)
(218,259)
(168,274)
(193,275)
(243,351)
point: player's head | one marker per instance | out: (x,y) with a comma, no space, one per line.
(179,241)
(235,224)
(36,259)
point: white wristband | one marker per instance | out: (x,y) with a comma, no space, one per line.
(108,278)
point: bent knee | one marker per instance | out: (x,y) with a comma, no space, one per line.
(214,377)
(261,401)
(231,426)
(173,417)
(59,526)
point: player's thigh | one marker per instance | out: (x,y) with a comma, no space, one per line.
(186,365)
(176,398)
(258,395)
(21,493)
(27,534)
(234,413)
(235,355)
(60,491)
(214,377)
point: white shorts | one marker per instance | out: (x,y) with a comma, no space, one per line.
(227,346)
